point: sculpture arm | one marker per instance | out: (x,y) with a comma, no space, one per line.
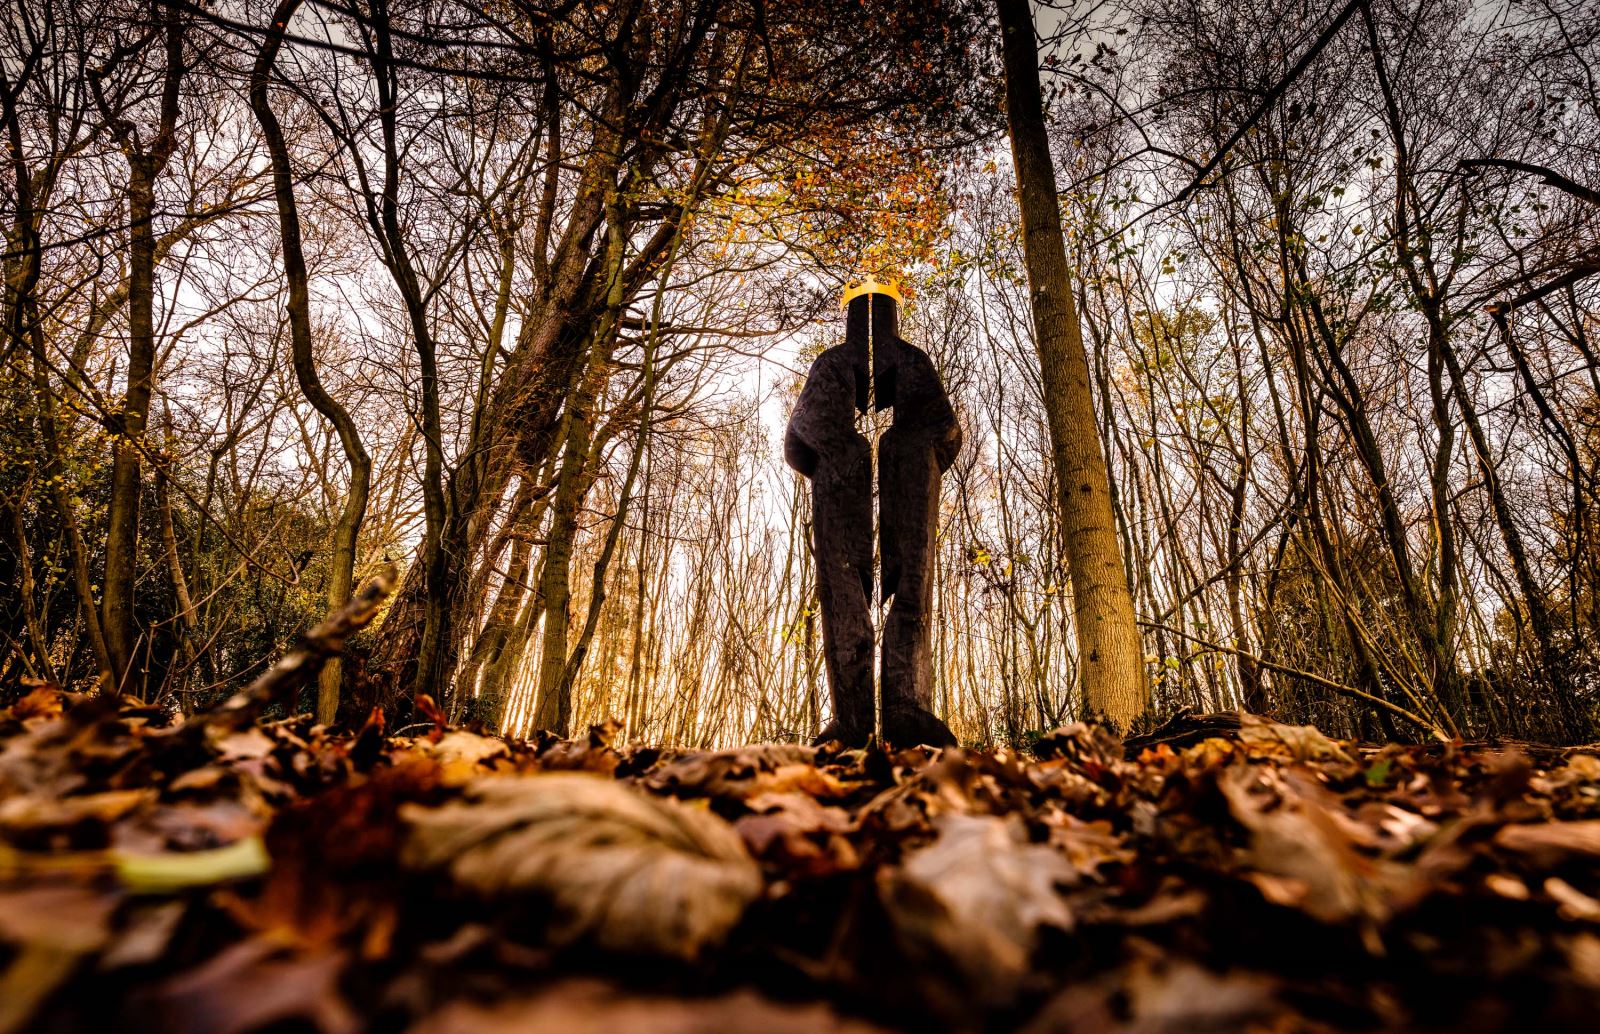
(797,453)
(946,429)
(948,446)
(802,441)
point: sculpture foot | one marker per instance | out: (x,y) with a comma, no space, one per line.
(912,726)
(837,731)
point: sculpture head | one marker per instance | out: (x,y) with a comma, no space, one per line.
(871,303)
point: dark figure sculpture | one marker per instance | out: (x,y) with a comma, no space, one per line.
(823,444)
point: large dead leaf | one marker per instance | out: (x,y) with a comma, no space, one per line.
(590,1007)
(1296,742)
(977,896)
(1548,843)
(627,871)
(1301,854)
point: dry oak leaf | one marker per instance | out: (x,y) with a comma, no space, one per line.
(1548,843)
(624,870)
(592,1007)
(1297,742)
(1304,858)
(977,896)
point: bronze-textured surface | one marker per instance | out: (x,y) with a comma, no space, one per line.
(822,443)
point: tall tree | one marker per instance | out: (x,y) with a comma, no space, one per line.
(146,160)
(347,528)
(1110,654)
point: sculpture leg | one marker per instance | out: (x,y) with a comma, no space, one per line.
(908,507)
(842,542)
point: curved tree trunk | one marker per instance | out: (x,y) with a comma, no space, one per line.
(347,529)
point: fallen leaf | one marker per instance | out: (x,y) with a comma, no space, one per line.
(591,1007)
(51,928)
(623,869)
(1300,855)
(461,755)
(747,771)
(178,870)
(28,981)
(44,701)
(1583,953)
(244,745)
(977,896)
(1574,903)
(63,915)
(1296,742)
(1088,845)
(145,935)
(37,811)
(1548,843)
(803,810)
(254,985)
(1081,742)
(1166,997)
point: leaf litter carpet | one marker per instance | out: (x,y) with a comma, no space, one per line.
(195,877)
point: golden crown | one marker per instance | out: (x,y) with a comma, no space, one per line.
(871,285)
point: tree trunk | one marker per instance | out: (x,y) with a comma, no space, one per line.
(1110,652)
(128,424)
(346,530)
(122,520)
(554,710)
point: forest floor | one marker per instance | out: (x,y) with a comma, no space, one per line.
(195,877)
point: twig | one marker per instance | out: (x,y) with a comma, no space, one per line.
(323,642)
(1548,176)
(1283,669)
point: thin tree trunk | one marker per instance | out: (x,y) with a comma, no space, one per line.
(25,590)
(145,165)
(185,622)
(347,529)
(122,519)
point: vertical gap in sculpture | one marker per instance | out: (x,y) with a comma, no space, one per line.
(874,598)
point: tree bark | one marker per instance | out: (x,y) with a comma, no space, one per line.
(1111,658)
(347,528)
(145,165)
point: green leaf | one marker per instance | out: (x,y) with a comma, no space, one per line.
(179,870)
